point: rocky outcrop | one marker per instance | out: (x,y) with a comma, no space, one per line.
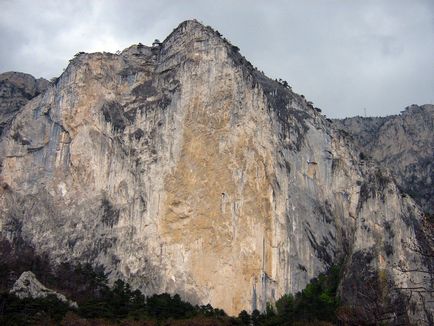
(28,286)
(182,169)
(402,143)
(16,89)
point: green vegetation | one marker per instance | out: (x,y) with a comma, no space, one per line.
(316,305)
(14,311)
(100,304)
(115,305)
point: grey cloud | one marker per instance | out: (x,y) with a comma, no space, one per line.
(342,55)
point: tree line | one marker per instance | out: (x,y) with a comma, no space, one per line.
(101,304)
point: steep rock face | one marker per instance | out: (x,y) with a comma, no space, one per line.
(16,89)
(404,144)
(180,168)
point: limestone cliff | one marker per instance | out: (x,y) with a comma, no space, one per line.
(404,144)
(182,169)
(16,89)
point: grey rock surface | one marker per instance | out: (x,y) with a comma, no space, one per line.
(180,168)
(16,89)
(402,143)
(28,286)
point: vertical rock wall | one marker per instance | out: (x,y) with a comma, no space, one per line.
(180,168)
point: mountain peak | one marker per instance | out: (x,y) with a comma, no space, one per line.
(190,27)
(191,23)
(181,168)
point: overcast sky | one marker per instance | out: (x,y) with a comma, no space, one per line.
(343,55)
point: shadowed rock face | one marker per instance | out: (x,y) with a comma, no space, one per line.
(404,144)
(182,169)
(16,89)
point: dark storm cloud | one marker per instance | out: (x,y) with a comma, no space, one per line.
(343,55)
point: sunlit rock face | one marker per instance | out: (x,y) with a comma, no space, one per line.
(180,168)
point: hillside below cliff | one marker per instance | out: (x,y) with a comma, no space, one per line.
(180,168)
